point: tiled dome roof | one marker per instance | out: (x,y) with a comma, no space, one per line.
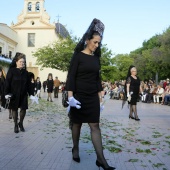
(60,29)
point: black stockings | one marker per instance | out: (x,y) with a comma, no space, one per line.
(22,115)
(15,116)
(96,140)
(10,113)
(75,137)
(97,143)
(133,109)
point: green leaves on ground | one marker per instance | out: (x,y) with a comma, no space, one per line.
(158,165)
(143,151)
(133,160)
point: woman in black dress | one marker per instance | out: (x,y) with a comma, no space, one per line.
(50,86)
(17,88)
(84,90)
(2,87)
(2,92)
(133,88)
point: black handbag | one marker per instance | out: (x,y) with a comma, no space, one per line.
(65,98)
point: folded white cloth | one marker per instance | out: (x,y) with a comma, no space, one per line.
(34,99)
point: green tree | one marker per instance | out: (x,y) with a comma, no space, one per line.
(56,55)
(153,57)
(122,63)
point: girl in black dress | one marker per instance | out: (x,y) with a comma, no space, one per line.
(38,87)
(84,90)
(133,88)
(17,85)
(50,86)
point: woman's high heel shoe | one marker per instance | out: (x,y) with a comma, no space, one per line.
(16,130)
(101,165)
(131,117)
(76,159)
(137,119)
(21,127)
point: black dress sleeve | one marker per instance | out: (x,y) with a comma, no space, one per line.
(99,83)
(71,79)
(128,80)
(28,85)
(8,82)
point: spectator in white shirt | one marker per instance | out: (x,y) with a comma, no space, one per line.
(158,94)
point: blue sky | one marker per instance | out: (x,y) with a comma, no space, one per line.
(127,22)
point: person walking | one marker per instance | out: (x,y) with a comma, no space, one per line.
(2,91)
(44,85)
(132,89)
(84,90)
(38,87)
(17,88)
(50,86)
(2,87)
(56,87)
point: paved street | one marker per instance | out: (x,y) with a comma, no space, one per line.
(46,144)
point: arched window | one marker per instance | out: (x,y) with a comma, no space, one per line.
(29,7)
(37,7)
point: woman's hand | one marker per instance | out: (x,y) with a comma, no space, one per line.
(101,107)
(7,96)
(74,103)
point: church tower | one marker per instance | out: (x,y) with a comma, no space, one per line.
(34,31)
(34,9)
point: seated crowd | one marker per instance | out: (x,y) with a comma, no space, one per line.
(152,93)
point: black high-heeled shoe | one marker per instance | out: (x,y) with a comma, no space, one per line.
(137,119)
(16,130)
(21,127)
(131,117)
(101,165)
(76,159)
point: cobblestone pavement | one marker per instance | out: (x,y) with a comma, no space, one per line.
(46,144)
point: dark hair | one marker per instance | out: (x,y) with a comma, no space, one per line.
(96,28)
(17,57)
(31,75)
(88,36)
(129,71)
(50,74)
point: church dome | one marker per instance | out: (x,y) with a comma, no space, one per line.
(60,29)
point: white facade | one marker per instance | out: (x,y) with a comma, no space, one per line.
(33,31)
(8,40)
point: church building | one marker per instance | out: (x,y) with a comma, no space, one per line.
(33,30)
